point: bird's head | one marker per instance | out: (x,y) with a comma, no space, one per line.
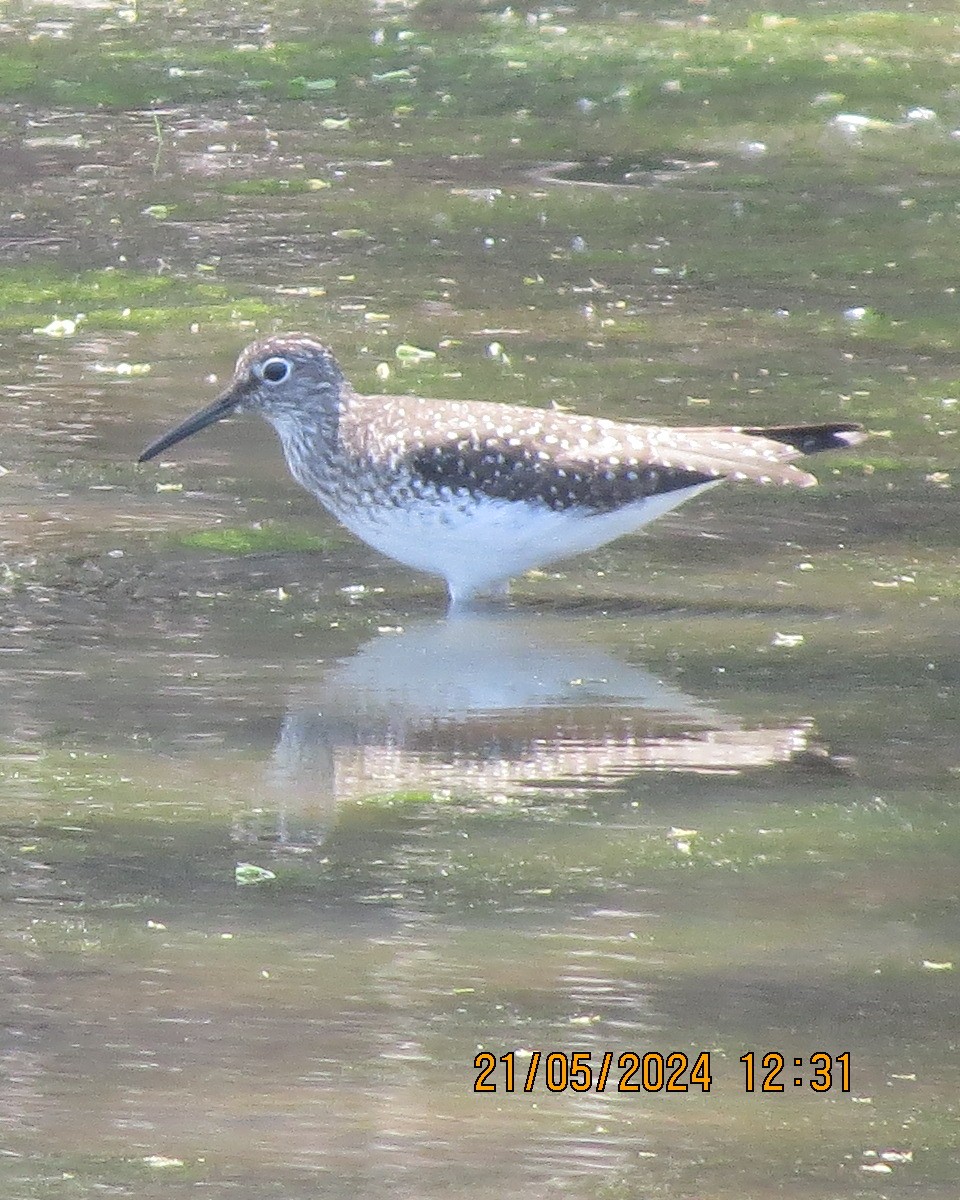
(287,378)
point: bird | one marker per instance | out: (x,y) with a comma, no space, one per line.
(477,491)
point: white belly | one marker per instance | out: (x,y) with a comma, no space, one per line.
(478,545)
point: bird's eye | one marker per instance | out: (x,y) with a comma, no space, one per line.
(275,370)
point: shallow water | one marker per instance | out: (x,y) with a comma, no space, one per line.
(285,848)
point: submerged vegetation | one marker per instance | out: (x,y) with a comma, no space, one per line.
(267,538)
(450,61)
(39,297)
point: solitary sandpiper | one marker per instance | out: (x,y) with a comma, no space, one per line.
(478,492)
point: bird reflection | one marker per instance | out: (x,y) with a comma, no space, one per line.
(494,706)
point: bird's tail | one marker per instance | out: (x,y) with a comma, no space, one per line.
(762,453)
(811,439)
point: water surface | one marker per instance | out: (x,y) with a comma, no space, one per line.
(285,849)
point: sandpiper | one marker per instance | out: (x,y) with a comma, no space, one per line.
(478,492)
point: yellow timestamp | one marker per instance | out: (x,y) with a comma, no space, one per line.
(820,1071)
(674,1071)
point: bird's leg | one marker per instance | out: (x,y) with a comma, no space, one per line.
(463,600)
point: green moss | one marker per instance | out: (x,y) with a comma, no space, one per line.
(746,63)
(118,299)
(180,316)
(32,286)
(253,539)
(271,187)
(401,800)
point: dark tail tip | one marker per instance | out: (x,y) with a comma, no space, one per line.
(811,439)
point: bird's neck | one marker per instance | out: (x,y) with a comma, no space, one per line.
(310,441)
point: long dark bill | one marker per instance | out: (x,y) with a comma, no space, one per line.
(223,406)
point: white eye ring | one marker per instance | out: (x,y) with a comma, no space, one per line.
(275,370)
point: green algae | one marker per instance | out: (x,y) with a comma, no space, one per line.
(272,187)
(740,66)
(118,299)
(255,539)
